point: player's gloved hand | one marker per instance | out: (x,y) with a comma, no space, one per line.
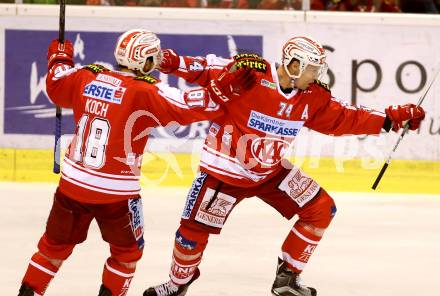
(231,84)
(400,114)
(60,53)
(170,61)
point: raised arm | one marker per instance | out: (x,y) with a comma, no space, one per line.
(199,104)
(338,119)
(199,70)
(335,117)
(61,74)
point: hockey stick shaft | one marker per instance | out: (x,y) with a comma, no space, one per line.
(58,112)
(405,130)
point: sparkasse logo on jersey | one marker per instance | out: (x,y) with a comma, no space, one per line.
(105,92)
(274,126)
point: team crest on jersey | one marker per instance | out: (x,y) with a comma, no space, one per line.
(147,78)
(269,151)
(95,68)
(104,92)
(323,85)
(252,61)
(274,126)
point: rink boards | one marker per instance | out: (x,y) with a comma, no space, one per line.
(178,169)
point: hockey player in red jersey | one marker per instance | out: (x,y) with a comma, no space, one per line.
(243,157)
(113,112)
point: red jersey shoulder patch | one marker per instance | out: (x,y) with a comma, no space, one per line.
(252,61)
(323,85)
(95,68)
(147,78)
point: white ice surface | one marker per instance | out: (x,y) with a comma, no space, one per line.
(378,245)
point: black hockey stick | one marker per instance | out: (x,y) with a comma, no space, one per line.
(405,130)
(59,114)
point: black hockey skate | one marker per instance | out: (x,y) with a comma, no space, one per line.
(171,289)
(104,291)
(288,283)
(25,290)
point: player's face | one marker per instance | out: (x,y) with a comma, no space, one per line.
(147,67)
(309,75)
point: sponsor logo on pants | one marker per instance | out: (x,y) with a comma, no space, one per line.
(214,212)
(193,194)
(300,187)
(137,220)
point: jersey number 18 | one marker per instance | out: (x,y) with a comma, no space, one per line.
(96,142)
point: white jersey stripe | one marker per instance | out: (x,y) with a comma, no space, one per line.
(92,172)
(226,165)
(219,154)
(214,61)
(219,171)
(173,95)
(100,182)
(378,113)
(77,183)
(234,160)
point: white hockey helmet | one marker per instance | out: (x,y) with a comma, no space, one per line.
(135,46)
(307,51)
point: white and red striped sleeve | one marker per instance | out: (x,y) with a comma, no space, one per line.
(200,70)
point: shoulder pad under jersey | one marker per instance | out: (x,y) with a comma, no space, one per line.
(252,61)
(147,78)
(323,85)
(95,68)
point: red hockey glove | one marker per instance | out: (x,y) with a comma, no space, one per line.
(231,84)
(60,53)
(170,61)
(400,114)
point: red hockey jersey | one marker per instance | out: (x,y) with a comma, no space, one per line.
(114,113)
(246,147)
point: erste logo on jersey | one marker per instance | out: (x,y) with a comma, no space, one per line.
(104,92)
(274,126)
